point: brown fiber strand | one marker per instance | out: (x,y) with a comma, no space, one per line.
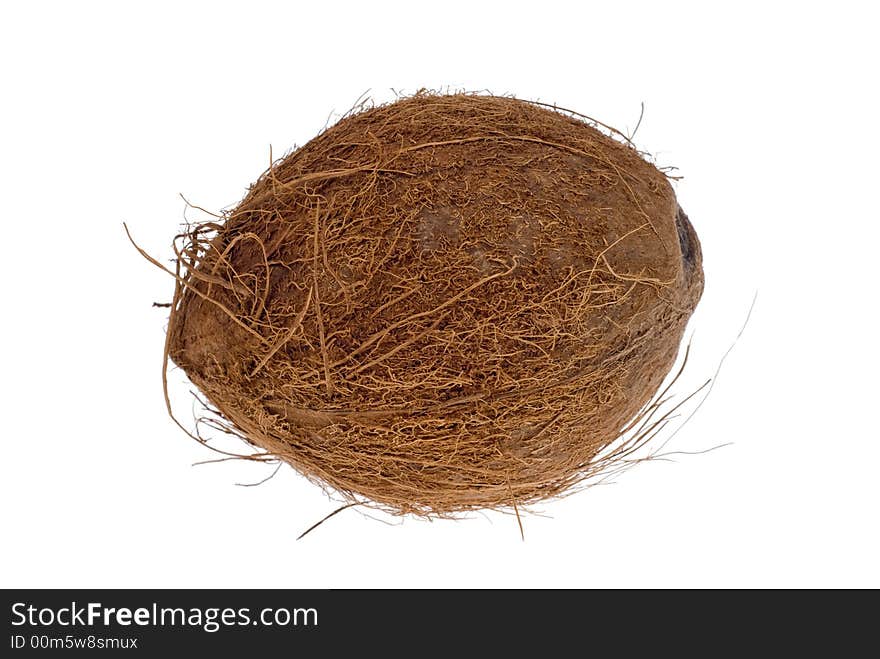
(446,303)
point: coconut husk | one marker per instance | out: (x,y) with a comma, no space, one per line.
(446,303)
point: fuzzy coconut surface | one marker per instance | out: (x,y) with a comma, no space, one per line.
(446,303)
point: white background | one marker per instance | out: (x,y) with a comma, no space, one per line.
(109,111)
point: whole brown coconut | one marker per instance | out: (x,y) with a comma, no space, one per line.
(441,304)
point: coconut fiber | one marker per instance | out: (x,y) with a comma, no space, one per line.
(446,303)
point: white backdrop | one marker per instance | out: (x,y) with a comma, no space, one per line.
(109,111)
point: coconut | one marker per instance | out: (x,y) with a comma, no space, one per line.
(446,303)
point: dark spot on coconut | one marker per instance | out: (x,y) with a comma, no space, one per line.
(685,238)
